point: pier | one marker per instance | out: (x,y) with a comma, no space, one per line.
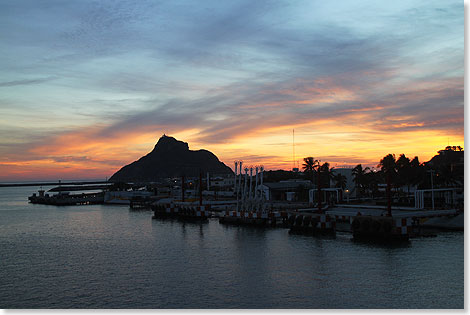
(365,223)
(181,212)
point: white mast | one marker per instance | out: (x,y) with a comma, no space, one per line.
(262,191)
(239,187)
(235,184)
(235,188)
(245,188)
(251,183)
(255,197)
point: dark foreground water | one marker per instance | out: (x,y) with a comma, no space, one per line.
(108,257)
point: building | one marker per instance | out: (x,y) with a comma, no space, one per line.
(329,196)
(288,190)
(222,182)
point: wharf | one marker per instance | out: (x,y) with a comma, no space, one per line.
(365,222)
(80,187)
(181,212)
(401,212)
(404,222)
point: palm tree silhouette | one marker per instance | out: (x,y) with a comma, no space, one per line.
(309,166)
(326,174)
(360,177)
(388,164)
(403,165)
(340,181)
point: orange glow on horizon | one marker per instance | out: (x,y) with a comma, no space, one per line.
(342,136)
(77,157)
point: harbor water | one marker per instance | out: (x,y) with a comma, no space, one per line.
(105,256)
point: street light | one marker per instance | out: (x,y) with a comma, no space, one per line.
(347,194)
(432,187)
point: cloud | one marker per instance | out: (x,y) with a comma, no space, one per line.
(222,74)
(26,81)
(244,108)
(61,159)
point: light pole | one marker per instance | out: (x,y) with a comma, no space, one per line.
(319,187)
(432,187)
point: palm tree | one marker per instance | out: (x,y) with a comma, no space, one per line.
(326,174)
(372,180)
(359,177)
(309,166)
(403,166)
(388,165)
(418,172)
(340,181)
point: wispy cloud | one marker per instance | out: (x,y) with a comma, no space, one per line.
(98,82)
(26,81)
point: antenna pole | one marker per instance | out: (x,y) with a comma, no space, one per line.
(200,187)
(293,149)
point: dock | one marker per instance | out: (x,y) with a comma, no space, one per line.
(370,223)
(181,212)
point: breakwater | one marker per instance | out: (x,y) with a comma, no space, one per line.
(51,183)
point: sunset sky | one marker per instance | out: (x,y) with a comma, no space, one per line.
(89,86)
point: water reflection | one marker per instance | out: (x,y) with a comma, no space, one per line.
(106,256)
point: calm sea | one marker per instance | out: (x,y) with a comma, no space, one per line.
(103,256)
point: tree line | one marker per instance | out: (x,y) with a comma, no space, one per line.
(446,170)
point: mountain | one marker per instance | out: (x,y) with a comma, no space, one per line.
(171,158)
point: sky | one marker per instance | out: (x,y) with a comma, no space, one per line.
(87,87)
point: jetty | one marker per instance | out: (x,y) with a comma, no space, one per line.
(181,212)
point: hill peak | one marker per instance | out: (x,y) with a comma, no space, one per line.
(169,143)
(170,158)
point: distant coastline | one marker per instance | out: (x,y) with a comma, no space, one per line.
(51,183)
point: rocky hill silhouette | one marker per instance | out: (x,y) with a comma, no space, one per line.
(171,158)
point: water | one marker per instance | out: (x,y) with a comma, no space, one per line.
(101,256)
